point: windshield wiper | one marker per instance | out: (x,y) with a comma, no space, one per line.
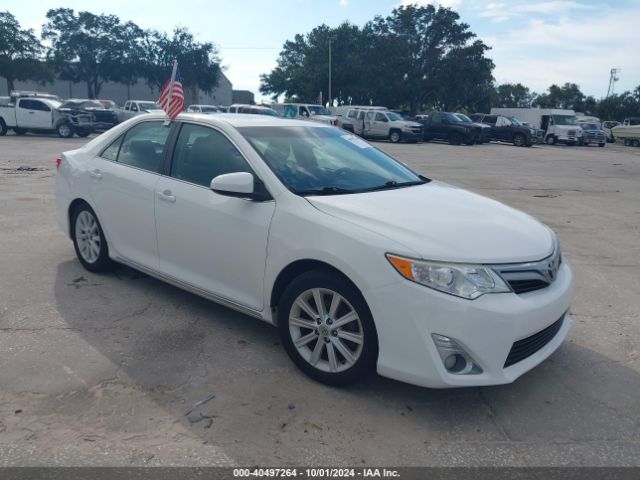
(393,184)
(325,191)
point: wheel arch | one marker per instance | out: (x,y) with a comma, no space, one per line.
(297,268)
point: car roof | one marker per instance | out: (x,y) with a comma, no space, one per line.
(241,120)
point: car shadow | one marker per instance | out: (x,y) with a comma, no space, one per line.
(180,349)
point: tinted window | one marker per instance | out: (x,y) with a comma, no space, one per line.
(40,106)
(490,119)
(437,118)
(26,104)
(380,117)
(142,146)
(352,114)
(201,154)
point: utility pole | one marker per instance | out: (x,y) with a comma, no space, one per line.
(612,80)
(331,39)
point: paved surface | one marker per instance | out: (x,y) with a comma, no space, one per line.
(100,369)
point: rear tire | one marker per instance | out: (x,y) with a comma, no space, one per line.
(455,139)
(329,353)
(3,128)
(601,144)
(64,130)
(88,240)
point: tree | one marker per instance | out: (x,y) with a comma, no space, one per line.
(417,56)
(200,62)
(568,96)
(20,52)
(303,66)
(92,48)
(513,95)
(618,107)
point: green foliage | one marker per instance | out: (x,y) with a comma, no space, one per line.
(510,95)
(100,48)
(200,61)
(20,53)
(406,59)
(92,48)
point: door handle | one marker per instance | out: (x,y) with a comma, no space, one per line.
(31,113)
(167,196)
(97,174)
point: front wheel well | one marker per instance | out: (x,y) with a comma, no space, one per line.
(73,206)
(295,269)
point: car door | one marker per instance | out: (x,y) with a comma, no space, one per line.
(491,121)
(380,125)
(504,129)
(122,185)
(33,114)
(437,128)
(213,242)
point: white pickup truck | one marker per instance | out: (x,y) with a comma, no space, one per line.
(136,107)
(40,114)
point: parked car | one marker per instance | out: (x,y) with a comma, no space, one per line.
(305,111)
(103,117)
(607,127)
(386,125)
(210,109)
(592,133)
(41,114)
(133,108)
(360,262)
(483,135)
(505,129)
(446,126)
(352,119)
(558,125)
(252,109)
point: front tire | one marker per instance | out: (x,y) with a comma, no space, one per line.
(395,136)
(327,329)
(83,133)
(88,240)
(551,140)
(519,140)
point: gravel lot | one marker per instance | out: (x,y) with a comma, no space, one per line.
(100,369)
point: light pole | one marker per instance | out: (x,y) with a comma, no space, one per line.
(331,39)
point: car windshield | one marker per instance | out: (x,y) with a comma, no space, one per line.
(318,110)
(590,126)
(327,161)
(452,118)
(464,118)
(394,117)
(515,121)
(564,120)
(209,109)
(148,106)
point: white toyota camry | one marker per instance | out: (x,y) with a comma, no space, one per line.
(360,262)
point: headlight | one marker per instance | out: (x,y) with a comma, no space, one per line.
(461,280)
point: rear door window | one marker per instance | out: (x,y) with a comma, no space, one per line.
(143,145)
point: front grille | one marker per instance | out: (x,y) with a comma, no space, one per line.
(528,346)
(571,133)
(527,277)
(529,285)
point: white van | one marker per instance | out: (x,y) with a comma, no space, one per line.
(305,111)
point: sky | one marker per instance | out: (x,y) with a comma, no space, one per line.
(534,42)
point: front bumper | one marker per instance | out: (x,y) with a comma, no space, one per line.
(411,135)
(406,314)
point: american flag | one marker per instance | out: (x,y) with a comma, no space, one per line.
(172,96)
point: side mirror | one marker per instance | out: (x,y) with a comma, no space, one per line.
(239,184)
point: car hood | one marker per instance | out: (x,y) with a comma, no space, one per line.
(440,222)
(411,124)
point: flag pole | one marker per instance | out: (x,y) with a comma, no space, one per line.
(173,78)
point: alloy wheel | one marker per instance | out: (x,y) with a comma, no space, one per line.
(88,236)
(326,330)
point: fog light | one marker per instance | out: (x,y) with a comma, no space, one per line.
(454,358)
